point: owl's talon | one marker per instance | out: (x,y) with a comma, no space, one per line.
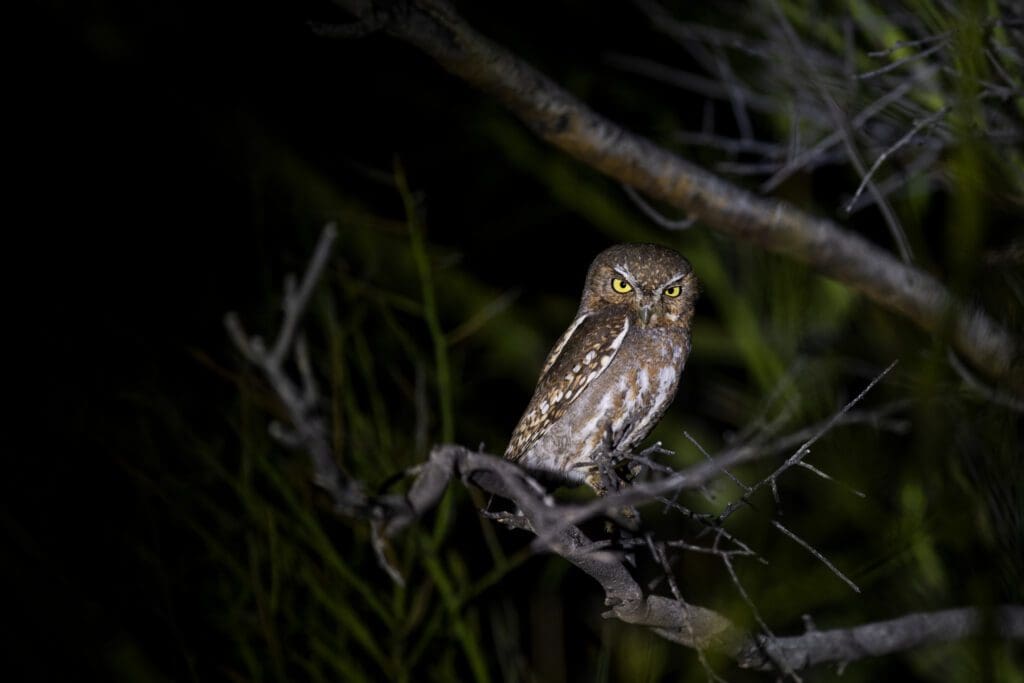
(633,471)
(598,481)
(628,518)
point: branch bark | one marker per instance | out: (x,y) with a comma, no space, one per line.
(570,125)
(882,637)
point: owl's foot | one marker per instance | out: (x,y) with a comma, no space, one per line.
(627,517)
(604,476)
(597,480)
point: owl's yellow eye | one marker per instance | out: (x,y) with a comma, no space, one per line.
(673,292)
(621,286)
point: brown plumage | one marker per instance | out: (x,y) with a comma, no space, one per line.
(615,370)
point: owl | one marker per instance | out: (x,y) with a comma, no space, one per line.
(615,370)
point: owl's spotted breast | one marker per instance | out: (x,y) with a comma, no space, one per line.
(619,409)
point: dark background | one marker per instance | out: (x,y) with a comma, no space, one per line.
(180,158)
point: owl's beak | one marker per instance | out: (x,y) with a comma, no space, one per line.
(645,314)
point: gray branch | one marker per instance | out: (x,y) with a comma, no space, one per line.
(567,123)
(883,637)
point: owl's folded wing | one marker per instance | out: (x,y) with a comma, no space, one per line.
(579,357)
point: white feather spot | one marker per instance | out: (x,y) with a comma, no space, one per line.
(544,407)
(589,358)
(576,368)
(557,397)
(644,381)
(600,413)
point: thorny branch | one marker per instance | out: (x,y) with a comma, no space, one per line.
(556,524)
(567,123)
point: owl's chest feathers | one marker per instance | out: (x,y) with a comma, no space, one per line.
(623,403)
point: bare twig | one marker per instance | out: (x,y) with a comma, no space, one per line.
(802,159)
(902,142)
(300,401)
(685,80)
(730,145)
(902,62)
(809,548)
(778,663)
(652,213)
(880,419)
(805,448)
(827,477)
(900,44)
(658,552)
(990,394)
(843,126)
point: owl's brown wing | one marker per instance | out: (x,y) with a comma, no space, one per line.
(560,344)
(579,357)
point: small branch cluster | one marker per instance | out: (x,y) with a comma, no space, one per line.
(897,110)
(300,398)
(556,526)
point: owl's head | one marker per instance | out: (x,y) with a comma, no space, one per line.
(653,282)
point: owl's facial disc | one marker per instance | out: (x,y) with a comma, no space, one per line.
(652,299)
(654,283)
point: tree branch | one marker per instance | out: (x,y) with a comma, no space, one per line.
(568,124)
(555,524)
(883,637)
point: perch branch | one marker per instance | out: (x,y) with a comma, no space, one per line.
(672,618)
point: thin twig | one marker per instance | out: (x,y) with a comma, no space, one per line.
(901,62)
(917,128)
(654,215)
(813,551)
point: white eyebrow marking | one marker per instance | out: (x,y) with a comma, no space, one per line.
(675,278)
(624,272)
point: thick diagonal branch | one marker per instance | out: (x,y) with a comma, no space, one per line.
(569,124)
